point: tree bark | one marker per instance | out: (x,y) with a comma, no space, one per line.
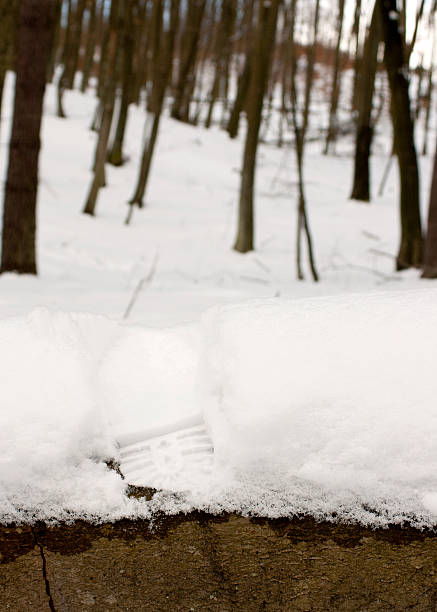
(300,134)
(244,79)
(90,47)
(357,60)
(8,10)
(142,40)
(72,58)
(107,111)
(240,99)
(410,252)
(430,87)
(265,38)
(331,134)
(193,22)
(163,67)
(430,256)
(65,55)
(36,21)
(222,55)
(364,100)
(55,53)
(115,156)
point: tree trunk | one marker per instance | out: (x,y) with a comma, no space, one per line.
(429,90)
(72,59)
(90,47)
(55,52)
(265,38)
(300,134)
(244,79)
(335,91)
(7,29)
(163,67)
(65,55)
(364,101)
(107,111)
(240,99)
(203,62)
(222,53)
(193,22)
(142,40)
(115,156)
(411,247)
(36,22)
(430,257)
(357,60)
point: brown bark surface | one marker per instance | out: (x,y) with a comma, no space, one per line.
(162,72)
(364,101)
(90,47)
(36,22)
(107,102)
(189,48)
(8,10)
(265,38)
(115,156)
(331,134)
(410,252)
(430,258)
(200,562)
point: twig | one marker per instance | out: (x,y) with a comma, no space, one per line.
(254,279)
(385,175)
(382,253)
(370,235)
(145,280)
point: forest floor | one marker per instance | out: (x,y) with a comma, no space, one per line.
(321,407)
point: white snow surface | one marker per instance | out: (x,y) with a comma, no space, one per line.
(319,398)
(323,406)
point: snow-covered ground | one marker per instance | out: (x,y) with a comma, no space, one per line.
(323,406)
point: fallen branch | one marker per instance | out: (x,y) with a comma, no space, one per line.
(143,281)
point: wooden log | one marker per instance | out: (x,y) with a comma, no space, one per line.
(202,562)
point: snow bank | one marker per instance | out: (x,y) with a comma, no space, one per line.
(322,406)
(149,377)
(328,401)
(53,437)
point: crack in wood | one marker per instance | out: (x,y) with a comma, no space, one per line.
(44,570)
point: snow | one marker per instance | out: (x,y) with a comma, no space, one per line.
(323,406)
(319,398)
(53,436)
(337,392)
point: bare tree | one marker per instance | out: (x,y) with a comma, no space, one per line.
(190,40)
(71,50)
(430,84)
(7,29)
(410,252)
(331,134)
(107,101)
(142,35)
(90,46)
(163,66)
(430,257)
(364,101)
(36,22)
(358,59)
(300,129)
(244,77)
(222,56)
(115,156)
(265,38)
